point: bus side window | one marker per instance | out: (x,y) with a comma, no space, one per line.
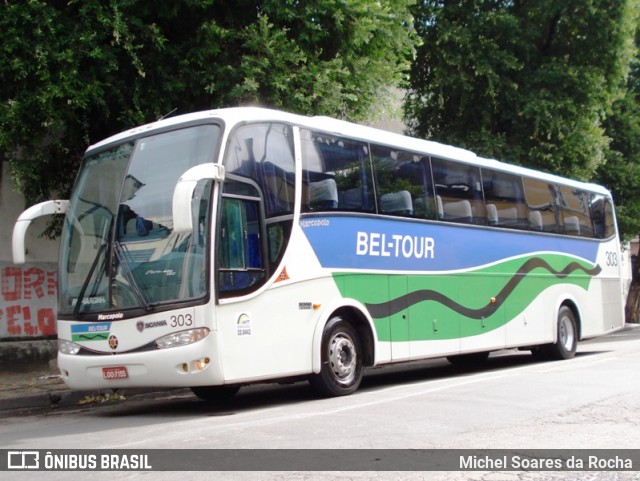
(541,201)
(264,153)
(458,192)
(240,264)
(505,200)
(403,183)
(278,234)
(336,174)
(601,212)
(575,210)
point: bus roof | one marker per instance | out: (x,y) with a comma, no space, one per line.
(234,115)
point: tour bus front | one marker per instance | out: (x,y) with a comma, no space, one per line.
(133,289)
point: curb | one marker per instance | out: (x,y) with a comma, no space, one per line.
(51,399)
(64,398)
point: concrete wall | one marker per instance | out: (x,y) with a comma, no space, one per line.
(27,293)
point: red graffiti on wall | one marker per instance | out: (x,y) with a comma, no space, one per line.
(28,301)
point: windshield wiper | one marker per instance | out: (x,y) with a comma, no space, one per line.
(85,285)
(118,249)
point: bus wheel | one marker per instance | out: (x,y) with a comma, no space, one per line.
(567,343)
(342,367)
(215,394)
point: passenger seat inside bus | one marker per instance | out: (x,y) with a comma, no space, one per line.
(396,203)
(503,217)
(457,211)
(323,195)
(572,225)
(535,220)
(492,214)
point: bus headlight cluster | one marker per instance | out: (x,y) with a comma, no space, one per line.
(182,338)
(68,347)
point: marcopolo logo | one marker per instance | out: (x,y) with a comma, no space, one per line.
(110,317)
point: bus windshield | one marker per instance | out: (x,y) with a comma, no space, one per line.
(120,251)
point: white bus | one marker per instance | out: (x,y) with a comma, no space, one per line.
(243,245)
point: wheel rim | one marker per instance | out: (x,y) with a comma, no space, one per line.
(566,333)
(343,358)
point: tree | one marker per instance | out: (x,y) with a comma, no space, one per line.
(527,82)
(621,171)
(77,71)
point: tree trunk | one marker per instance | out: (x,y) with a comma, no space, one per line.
(633,301)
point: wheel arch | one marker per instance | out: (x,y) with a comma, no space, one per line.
(356,314)
(572,304)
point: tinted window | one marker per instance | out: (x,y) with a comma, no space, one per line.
(336,174)
(541,200)
(403,183)
(264,153)
(458,192)
(575,212)
(602,216)
(239,243)
(504,198)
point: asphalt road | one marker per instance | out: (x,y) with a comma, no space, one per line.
(512,402)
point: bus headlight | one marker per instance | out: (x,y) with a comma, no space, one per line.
(68,347)
(182,338)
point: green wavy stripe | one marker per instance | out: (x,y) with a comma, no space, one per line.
(89,337)
(448,306)
(396,305)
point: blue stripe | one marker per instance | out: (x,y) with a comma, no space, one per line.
(93,328)
(360,242)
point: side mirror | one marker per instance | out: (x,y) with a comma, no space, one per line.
(49,207)
(183,193)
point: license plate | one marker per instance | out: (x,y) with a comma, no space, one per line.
(113,373)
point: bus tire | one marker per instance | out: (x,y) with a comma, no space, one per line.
(342,360)
(567,336)
(216,394)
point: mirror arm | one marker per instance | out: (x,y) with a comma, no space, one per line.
(183,193)
(49,207)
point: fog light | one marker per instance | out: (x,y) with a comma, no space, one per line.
(182,338)
(68,347)
(200,364)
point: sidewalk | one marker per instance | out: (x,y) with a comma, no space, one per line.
(29,377)
(30,380)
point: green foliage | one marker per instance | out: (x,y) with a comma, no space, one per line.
(527,82)
(621,172)
(76,71)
